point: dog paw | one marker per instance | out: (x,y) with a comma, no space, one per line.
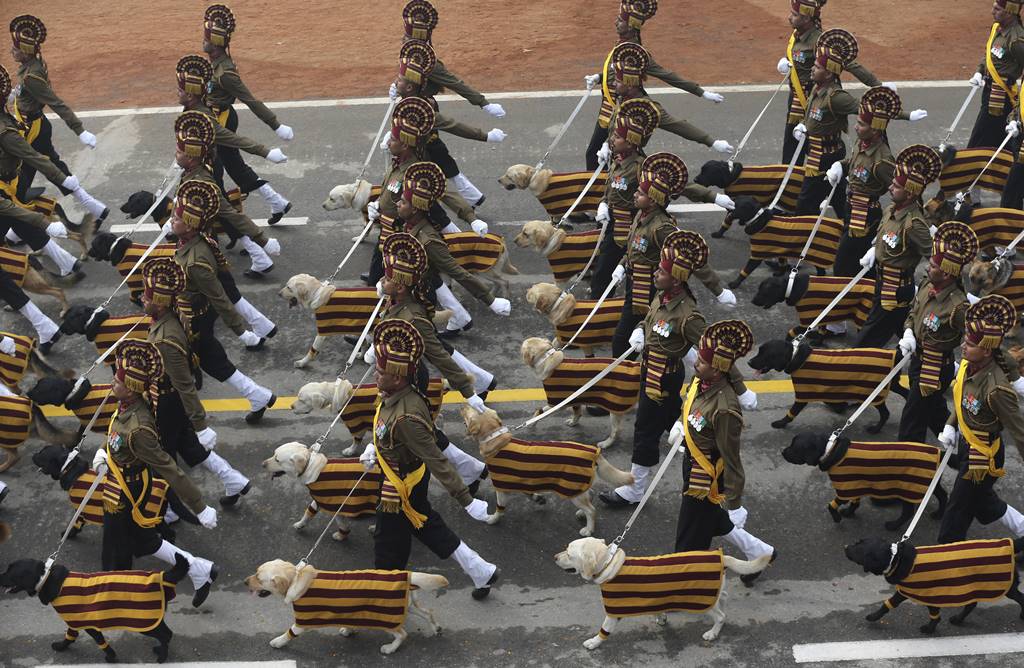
(60,645)
(280,641)
(161,653)
(572,421)
(581,516)
(928,629)
(710,634)
(836,517)
(389,648)
(110,656)
(493,518)
(780,424)
(586,532)
(607,443)
(301,364)
(340,536)
(593,643)
(298,525)
(735,283)
(350,450)
(661,620)
(849,510)
(344,631)
(875,616)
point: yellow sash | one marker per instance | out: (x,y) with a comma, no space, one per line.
(998,80)
(794,78)
(403,487)
(137,514)
(33,128)
(713,472)
(972,439)
(604,79)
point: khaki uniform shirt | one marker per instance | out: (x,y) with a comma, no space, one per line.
(14,150)
(803,60)
(716,425)
(682,128)
(405,439)
(646,238)
(228,213)
(441,78)
(870,170)
(225,137)
(938,320)
(440,261)
(34,94)
(415,313)
(196,258)
(1007,53)
(991,405)
(444,124)
(171,340)
(228,87)
(391,192)
(903,237)
(828,108)
(623,180)
(658,72)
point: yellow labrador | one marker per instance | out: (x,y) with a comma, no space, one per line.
(685,582)
(345,600)
(353,196)
(525,177)
(540,235)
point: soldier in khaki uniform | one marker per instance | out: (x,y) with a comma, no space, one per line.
(986,406)
(998,72)
(903,239)
(180,416)
(711,427)
(406,450)
(204,299)
(134,461)
(226,87)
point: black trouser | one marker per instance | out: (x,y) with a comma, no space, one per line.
(597,140)
(654,418)
(227,281)
(10,292)
(231,161)
(376,264)
(123,539)
(177,437)
(969,501)
(30,234)
(437,152)
(213,359)
(43,144)
(392,536)
(922,413)
(609,255)
(988,130)
(816,188)
(699,521)
(627,322)
(851,249)
(1013,191)
(882,325)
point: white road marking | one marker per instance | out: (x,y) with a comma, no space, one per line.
(260,222)
(873,650)
(185,664)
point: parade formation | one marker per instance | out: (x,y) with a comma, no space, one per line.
(910,289)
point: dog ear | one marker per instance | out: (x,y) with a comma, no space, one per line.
(590,558)
(281,584)
(539,181)
(299,459)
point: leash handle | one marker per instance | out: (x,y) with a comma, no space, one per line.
(565,127)
(750,131)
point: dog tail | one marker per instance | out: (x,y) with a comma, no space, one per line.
(177,573)
(40,366)
(1018,544)
(5,531)
(427,581)
(612,475)
(51,434)
(747,567)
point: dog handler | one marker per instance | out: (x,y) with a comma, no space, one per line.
(997,73)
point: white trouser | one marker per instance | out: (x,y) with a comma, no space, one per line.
(3,486)
(450,228)
(473,565)
(447,300)
(481,378)
(232,479)
(836,327)
(259,258)
(276,202)
(45,328)
(751,546)
(465,187)
(257,395)
(91,204)
(641,478)
(198,568)
(1013,520)
(64,260)
(468,466)
(258,323)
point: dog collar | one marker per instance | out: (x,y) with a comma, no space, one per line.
(70,458)
(894,549)
(558,301)
(599,575)
(495,434)
(550,246)
(46,574)
(789,283)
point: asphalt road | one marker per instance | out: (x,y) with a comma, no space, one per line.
(538,615)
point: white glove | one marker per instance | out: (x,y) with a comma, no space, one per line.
(603,214)
(977,80)
(166,228)
(636,339)
(891,86)
(1018,387)
(285,132)
(87,138)
(450,228)
(800,131)
(57,230)
(721,146)
(783,67)
(619,273)
(918,114)
(370,357)
(675,434)
(380,288)
(476,403)
(932,229)
(973,299)
(99,459)
(208,516)
(714,97)
(207,438)
(496,136)
(948,436)
(592,80)
(908,343)
(373,210)
(690,357)
(834,173)
(748,400)
(384,142)
(726,297)
(369,457)
(604,154)
(868,260)
(738,517)
(495,110)
(7,346)
(276,156)
(1013,128)
(249,338)
(501,306)
(71,183)
(480,227)
(724,201)
(393,92)
(477,509)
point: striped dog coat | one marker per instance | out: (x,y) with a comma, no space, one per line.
(358,415)
(346,312)
(572,255)
(616,393)
(113,600)
(361,599)
(969,162)
(601,327)
(835,376)
(563,189)
(88,405)
(92,513)
(132,255)
(995,226)
(532,467)
(821,290)
(473,252)
(680,582)
(956,574)
(883,470)
(762,182)
(1014,288)
(15,264)
(785,236)
(337,480)
(13,367)
(114,327)
(15,421)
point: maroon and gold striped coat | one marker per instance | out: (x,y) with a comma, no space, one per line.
(91,402)
(132,255)
(473,252)
(968,163)
(358,415)
(601,327)
(15,263)
(114,327)
(617,392)
(785,236)
(13,367)
(15,421)
(834,376)
(338,480)
(572,255)
(821,290)
(957,574)
(563,189)
(883,470)
(532,467)
(346,312)
(995,226)
(113,600)
(680,582)
(762,182)
(362,599)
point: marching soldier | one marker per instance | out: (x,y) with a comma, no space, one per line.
(805,19)
(203,298)
(985,407)
(226,87)
(632,16)
(136,470)
(711,427)
(903,239)
(406,450)
(180,416)
(998,72)
(671,328)
(1013,192)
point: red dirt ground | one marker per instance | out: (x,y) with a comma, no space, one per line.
(106,54)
